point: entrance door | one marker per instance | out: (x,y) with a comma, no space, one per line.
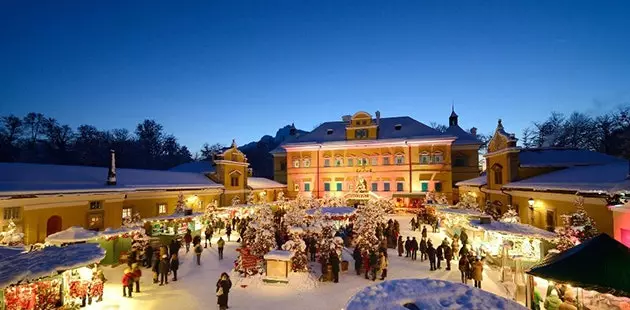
(551,220)
(53,225)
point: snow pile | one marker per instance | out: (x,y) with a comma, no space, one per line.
(426,294)
(71,235)
(263,183)
(47,262)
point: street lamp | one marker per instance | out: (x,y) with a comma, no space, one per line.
(531,203)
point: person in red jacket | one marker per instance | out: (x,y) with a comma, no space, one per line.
(137,274)
(127,282)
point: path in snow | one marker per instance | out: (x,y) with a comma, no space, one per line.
(196,286)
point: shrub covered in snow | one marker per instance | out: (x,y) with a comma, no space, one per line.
(328,243)
(467,201)
(250,198)
(236,201)
(510,216)
(386,204)
(492,210)
(576,227)
(331,201)
(295,216)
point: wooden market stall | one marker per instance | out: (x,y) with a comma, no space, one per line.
(278,266)
(173,226)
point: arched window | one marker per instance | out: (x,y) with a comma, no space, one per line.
(497,171)
(399,159)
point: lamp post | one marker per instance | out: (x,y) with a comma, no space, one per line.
(530,201)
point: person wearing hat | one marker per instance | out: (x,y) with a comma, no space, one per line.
(137,273)
(164,264)
(127,282)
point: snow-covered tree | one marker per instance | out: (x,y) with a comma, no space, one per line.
(12,235)
(441,198)
(511,216)
(260,233)
(208,213)
(328,243)
(576,227)
(181,204)
(492,210)
(297,246)
(236,201)
(139,241)
(368,217)
(295,216)
(388,205)
(467,201)
(135,220)
(250,198)
(332,201)
(280,196)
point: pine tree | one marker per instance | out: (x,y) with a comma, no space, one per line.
(297,246)
(260,233)
(294,216)
(368,217)
(576,227)
(492,210)
(208,213)
(181,204)
(328,243)
(511,216)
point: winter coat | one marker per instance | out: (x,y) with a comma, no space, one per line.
(463,264)
(127,278)
(197,240)
(431,253)
(356,254)
(228,230)
(148,252)
(164,266)
(312,246)
(366,261)
(455,245)
(198,249)
(552,302)
(373,260)
(174,264)
(225,285)
(221,243)
(383,263)
(414,245)
(424,232)
(156,266)
(440,252)
(463,251)
(448,253)
(137,273)
(477,271)
(408,245)
(400,246)
(208,232)
(423,245)
(334,262)
(188,238)
(463,237)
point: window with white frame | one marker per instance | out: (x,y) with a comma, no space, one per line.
(385,160)
(161,208)
(338,162)
(400,159)
(12,213)
(374,161)
(438,157)
(350,162)
(425,158)
(296,163)
(326,162)
(306,162)
(127,212)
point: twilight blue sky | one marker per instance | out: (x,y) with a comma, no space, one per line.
(210,71)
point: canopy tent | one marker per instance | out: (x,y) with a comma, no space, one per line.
(600,264)
(519,229)
(71,235)
(47,261)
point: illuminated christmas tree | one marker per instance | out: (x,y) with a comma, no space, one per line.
(576,227)
(297,246)
(368,217)
(181,204)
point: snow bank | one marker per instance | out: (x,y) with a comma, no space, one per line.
(280,255)
(47,261)
(426,294)
(515,229)
(72,234)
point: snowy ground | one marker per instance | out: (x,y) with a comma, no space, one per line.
(196,286)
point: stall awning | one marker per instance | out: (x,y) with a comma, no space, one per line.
(409,195)
(601,264)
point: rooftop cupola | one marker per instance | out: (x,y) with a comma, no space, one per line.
(111,174)
(452,120)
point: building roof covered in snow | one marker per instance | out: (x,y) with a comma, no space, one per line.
(203,166)
(609,178)
(562,157)
(463,137)
(478,181)
(23,178)
(72,234)
(280,255)
(263,183)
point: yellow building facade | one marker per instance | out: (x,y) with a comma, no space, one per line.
(392,157)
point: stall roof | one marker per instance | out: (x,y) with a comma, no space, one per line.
(599,264)
(514,229)
(72,234)
(172,217)
(47,262)
(280,255)
(263,183)
(113,232)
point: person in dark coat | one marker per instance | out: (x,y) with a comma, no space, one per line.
(148,256)
(228,232)
(174,266)
(164,265)
(223,290)
(431,253)
(173,248)
(400,246)
(414,248)
(439,253)
(356,254)
(448,255)
(196,240)
(373,264)
(198,250)
(464,250)
(463,237)
(423,249)
(209,231)
(220,245)
(413,224)
(187,240)
(312,249)
(408,247)
(156,267)
(424,231)
(463,268)
(334,262)
(233,223)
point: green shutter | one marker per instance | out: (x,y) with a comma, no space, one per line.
(327,187)
(425,186)
(339,187)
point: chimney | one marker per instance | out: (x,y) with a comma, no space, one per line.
(346,118)
(378,117)
(292,130)
(111,174)
(473,131)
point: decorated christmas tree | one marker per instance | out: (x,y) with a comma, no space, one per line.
(208,213)
(328,243)
(12,235)
(367,219)
(467,201)
(181,204)
(511,216)
(576,227)
(260,233)
(298,247)
(386,204)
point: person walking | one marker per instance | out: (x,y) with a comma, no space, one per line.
(448,255)
(188,240)
(423,249)
(463,268)
(383,265)
(127,282)
(224,284)
(209,231)
(439,253)
(198,250)
(358,259)
(400,246)
(312,249)
(455,247)
(431,254)
(413,224)
(220,244)
(424,231)
(477,272)
(228,232)
(408,247)
(164,266)
(414,248)
(174,266)
(137,274)
(334,262)
(156,267)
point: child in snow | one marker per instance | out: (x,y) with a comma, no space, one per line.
(164,266)
(127,282)
(137,273)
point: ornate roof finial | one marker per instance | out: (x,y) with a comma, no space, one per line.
(234,143)
(500,125)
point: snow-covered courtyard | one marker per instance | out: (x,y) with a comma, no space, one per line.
(195,288)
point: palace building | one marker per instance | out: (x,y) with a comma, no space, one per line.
(391,156)
(44,199)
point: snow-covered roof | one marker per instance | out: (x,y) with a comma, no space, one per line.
(514,229)
(334,211)
(608,178)
(562,157)
(47,262)
(6,251)
(72,234)
(426,294)
(195,167)
(461,211)
(22,178)
(478,181)
(463,137)
(113,232)
(280,255)
(173,217)
(263,183)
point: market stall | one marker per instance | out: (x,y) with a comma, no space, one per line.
(42,279)
(339,216)
(456,220)
(74,234)
(168,227)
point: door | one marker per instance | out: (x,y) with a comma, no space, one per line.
(53,225)
(551,220)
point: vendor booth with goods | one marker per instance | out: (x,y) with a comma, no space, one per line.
(169,227)
(51,277)
(338,216)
